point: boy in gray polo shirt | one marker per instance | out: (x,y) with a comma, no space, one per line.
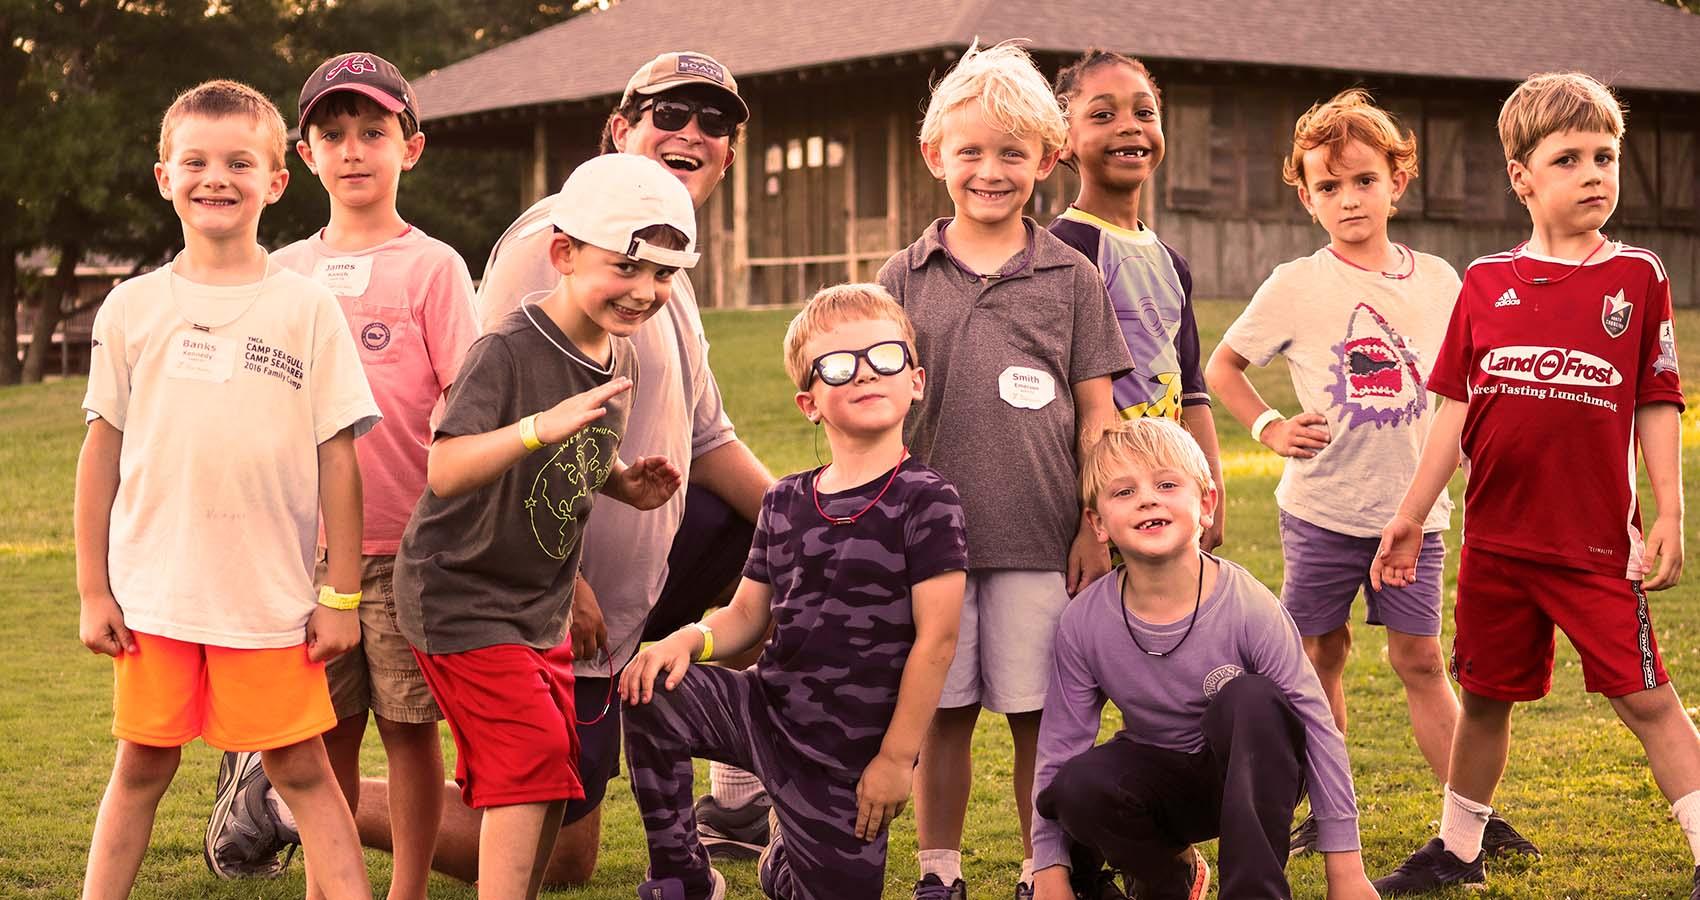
(1022,345)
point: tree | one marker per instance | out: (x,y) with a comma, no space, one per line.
(87,81)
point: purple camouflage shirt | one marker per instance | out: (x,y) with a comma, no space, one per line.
(843,625)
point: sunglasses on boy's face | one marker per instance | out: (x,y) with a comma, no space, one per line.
(673,115)
(839,366)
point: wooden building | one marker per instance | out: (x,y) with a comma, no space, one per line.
(828,181)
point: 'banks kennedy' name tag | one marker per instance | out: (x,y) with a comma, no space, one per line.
(199,356)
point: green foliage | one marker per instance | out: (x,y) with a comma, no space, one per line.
(83,84)
(1577,783)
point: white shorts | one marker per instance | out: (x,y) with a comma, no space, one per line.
(1003,646)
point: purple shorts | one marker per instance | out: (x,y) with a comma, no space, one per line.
(1325,569)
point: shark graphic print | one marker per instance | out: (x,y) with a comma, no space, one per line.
(1376,377)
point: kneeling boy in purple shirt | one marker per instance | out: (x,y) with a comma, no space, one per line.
(1225,721)
(859,566)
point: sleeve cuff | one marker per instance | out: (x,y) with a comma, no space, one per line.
(1332,835)
(1050,844)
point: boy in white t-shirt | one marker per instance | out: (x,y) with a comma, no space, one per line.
(408,301)
(223,402)
(1359,322)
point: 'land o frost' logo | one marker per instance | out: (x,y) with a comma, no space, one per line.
(1220,676)
(1551,365)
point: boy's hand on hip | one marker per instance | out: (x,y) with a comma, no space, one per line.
(588,630)
(564,419)
(1301,437)
(100,626)
(672,654)
(331,632)
(1664,544)
(648,482)
(880,795)
(1088,560)
(1396,559)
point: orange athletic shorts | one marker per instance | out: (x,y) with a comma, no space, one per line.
(170,692)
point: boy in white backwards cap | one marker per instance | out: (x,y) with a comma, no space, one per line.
(532,430)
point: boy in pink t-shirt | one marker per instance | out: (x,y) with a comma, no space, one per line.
(408,301)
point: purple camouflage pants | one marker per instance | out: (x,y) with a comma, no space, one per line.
(721,715)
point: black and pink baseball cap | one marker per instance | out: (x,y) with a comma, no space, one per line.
(367,74)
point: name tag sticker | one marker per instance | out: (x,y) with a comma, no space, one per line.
(346,276)
(1025,388)
(199,356)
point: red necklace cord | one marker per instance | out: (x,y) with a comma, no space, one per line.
(851,520)
(1410,259)
(1518,251)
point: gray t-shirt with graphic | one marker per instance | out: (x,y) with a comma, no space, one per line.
(496,565)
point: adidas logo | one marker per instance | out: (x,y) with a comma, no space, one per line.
(1509,298)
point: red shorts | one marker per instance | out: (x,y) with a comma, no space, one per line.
(510,709)
(169,692)
(1507,608)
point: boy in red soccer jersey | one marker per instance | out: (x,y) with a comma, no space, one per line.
(1561,354)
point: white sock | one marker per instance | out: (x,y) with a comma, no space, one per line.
(1462,822)
(946,864)
(1687,812)
(1027,870)
(731,787)
(280,809)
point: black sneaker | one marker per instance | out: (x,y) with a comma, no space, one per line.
(1303,839)
(1429,868)
(733,833)
(243,836)
(1501,840)
(930,887)
(1099,886)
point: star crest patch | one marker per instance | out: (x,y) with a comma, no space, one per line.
(1614,315)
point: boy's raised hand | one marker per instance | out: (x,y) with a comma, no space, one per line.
(1664,543)
(564,419)
(100,625)
(331,632)
(672,654)
(1396,559)
(645,483)
(881,793)
(1301,437)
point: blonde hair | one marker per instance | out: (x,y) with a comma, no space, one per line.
(1350,116)
(220,99)
(1013,96)
(1151,443)
(835,305)
(1555,102)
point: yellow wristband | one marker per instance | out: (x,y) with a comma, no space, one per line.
(528,433)
(334,600)
(707,642)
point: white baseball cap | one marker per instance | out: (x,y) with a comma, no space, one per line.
(608,200)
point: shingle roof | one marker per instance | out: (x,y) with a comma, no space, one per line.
(1638,44)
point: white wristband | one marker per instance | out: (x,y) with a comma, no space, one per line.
(1269,417)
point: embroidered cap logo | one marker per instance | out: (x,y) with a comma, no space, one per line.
(353,65)
(696,65)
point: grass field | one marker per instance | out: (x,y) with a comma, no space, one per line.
(1577,783)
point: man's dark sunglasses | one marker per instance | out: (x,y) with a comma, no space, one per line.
(839,366)
(673,115)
